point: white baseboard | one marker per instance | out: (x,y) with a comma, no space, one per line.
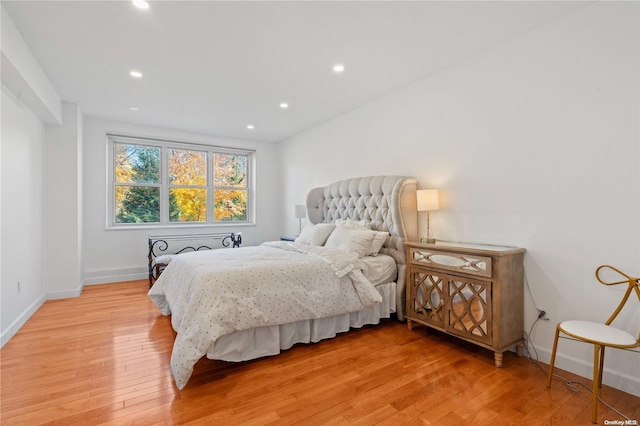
(584,368)
(107,276)
(65,294)
(21,320)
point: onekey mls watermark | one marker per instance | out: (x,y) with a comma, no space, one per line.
(621,422)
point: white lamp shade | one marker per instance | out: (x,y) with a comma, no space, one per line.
(301,211)
(427,200)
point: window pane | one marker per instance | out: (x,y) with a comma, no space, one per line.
(187,205)
(187,167)
(230,205)
(137,204)
(230,170)
(137,163)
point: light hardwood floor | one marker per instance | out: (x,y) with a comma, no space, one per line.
(102,358)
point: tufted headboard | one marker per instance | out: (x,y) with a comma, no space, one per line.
(385,203)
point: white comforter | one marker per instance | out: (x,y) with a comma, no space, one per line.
(216,292)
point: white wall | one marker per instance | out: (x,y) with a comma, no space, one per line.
(119,255)
(28,101)
(534,143)
(24,77)
(22,145)
(63,206)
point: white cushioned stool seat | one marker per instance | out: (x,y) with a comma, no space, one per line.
(598,333)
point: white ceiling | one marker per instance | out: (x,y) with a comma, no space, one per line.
(214,66)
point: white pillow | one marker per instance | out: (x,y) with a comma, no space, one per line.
(165,259)
(377,243)
(354,240)
(378,240)
(315,235)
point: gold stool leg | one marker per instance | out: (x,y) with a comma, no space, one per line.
(601,366)
(596,375)
(553,355)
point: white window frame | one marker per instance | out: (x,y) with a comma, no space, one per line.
(164,184)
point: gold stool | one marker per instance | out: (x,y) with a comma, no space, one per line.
(599,335)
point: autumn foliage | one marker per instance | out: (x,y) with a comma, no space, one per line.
(138,185)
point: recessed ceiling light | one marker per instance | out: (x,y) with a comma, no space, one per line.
(338,68)
(250,126)
(141,4)
(135,74)
(284,105)
(134,108)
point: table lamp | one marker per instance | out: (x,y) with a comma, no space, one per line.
(428,201)
(301,212)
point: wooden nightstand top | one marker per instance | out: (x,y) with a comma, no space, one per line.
(455,247)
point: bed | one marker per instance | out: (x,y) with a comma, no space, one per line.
(345,270)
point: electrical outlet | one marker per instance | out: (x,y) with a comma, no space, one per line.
(543,315)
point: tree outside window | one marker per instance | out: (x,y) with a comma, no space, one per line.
(137,191)
(230,183)
(198,184)
(187,185)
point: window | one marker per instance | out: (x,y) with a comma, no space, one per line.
(170,183)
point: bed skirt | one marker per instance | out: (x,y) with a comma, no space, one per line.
(270,340)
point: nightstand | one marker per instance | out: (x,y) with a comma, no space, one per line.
(471,291)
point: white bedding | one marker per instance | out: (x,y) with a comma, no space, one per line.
(379,269)
(217,292)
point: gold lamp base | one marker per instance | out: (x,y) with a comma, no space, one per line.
(428,238)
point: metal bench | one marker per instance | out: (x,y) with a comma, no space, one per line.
(163,248)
